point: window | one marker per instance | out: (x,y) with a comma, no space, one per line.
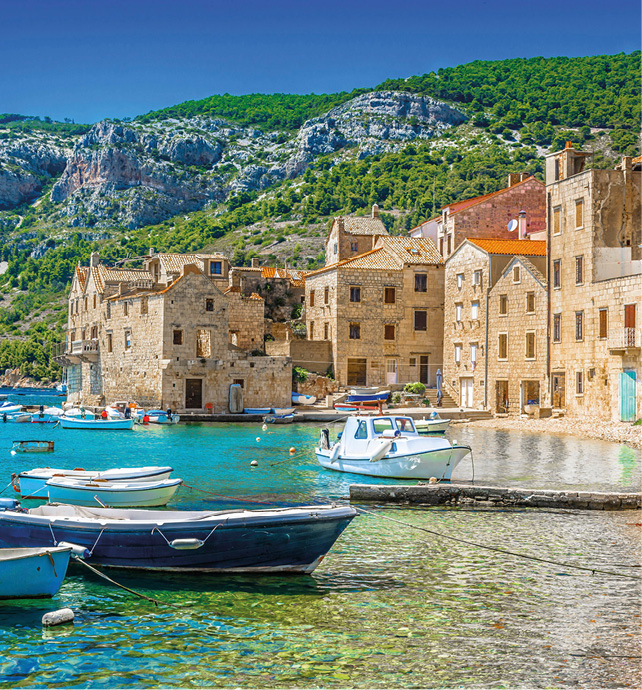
(557,273)
(108,311)
(458,308)
(355,294)
(94,333)
(450,244)
(503,305)
(209,305)
(473,353)
(503,346)
(421,282)
(579,325)
(389,295)
(178,337)
(579,270)
(361,432)
(110,344)
(530,346)
(389,331)
(412,362)
(457,353)
(579,383)
(516,274)
(604,322)
(85,301)
(239,382)
(354,246)
(441,246)
(128,340)
(125,309)
(326,331)
(311,330)
(460,281)
(381,425)
(326,296)
(143,305)
(557,328)
(579,213)
(474,311)
(311,298)
(530,302)
(355,331)
(216,268)
(203,343)
(94,301)
(557,220)
(477,276)
(335,248)
(421,320)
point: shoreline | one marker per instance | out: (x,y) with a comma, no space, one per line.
(614,432)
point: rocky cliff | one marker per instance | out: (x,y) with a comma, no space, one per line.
(140,173)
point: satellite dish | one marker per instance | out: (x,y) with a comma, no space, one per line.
(512,226)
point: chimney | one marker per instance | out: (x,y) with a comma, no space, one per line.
(522,225)
(524,176)
(151,251)
(341,224)
(513,178)
(93,259)
(375,210)
(235,278)
(255,262)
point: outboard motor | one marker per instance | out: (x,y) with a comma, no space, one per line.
(9,504)
(324,440)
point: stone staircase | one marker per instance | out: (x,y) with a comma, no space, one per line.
(446,401)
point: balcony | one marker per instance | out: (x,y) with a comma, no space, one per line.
(622,340)
(75,352)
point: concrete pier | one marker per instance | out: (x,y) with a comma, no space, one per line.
(461,494)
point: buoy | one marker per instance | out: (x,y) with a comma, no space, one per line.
(59,617)
(258,438)
(432,480)
(292,450)
(264,427)
(254,463)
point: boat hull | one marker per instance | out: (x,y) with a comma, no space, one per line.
(437,427)
(34,485)
(98,424)
(32,572)
(369,398)
(92,494)
(280,541)
(437,463)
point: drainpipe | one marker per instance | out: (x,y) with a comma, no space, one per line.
(548,298)
(490,277)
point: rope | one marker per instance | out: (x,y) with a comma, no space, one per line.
(6,487)
(157,529)
(497,549)
(231,498)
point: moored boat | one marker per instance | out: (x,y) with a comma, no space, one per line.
(102,424)
(279,418)
(16,417)
(32,447)
(28,572)
(9,408)
(389,446)
(78,413)
(277,540)
(47,415)
(375,397)
(162,417)
(257,410)
(300,399)
(81,492)
(434,425)
(32,483)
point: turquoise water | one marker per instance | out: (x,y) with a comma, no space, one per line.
(389,607)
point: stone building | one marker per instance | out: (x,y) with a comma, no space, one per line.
(516,212)
(382,312)
(351,236)
(471,273)
(167,340)
(517,339)
(595,286)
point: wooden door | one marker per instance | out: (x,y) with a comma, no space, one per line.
(357,372)
(193,394)
(423,369)
(559,388)
(466,392)
(629,325)
(501,396)
(391,372)
(626,397)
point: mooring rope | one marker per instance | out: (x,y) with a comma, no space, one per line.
(497,549)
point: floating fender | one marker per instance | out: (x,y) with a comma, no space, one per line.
(59,617)
(335,452)
(76,550)
(186,544)
(385,446)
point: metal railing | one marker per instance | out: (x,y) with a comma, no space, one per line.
(624,338)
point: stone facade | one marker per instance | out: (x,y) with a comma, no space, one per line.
(382,311)
(488,216)
(351,236)
(179,346)
(517,316)
(470,275)
(595,286)
(312,355)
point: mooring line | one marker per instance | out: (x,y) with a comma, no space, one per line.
(497,549)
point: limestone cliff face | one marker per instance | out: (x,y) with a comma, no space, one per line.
(136,174)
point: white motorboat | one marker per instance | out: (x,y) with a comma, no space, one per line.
(15,417)
(32,483)
(300,399)
(389,446)
(161,417)
(102,424)
(94,492)
(434,425)
(47,415)
(78,413)
(9,408)
(117,410)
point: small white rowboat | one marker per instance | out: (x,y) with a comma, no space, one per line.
(111,494)
(95,424)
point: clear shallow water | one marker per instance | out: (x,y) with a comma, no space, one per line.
(388,607)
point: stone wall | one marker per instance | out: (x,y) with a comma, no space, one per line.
(313,355)
(246,323)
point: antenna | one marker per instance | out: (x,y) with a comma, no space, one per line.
(512,226)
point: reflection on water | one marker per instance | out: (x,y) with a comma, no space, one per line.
(389,607)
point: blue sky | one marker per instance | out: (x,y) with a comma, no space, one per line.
(89,59)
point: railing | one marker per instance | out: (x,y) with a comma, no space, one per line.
(624,338)
(81,347)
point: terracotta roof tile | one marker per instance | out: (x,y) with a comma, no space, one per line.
(512,247)
(412,250)
(466,203)
(173,263)
(81,272)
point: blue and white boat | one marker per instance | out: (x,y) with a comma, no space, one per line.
(278,540)
(8,407)
(161,417)
(257,410)
(49,415)
(360,395)
(82,492)
(434,425)
(300,399)
(95,424)
(36,571)
(32,483)
(78,413)
(15,417)
(389,446)
(279,418)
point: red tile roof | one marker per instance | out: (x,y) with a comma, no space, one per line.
(512,247)
(461,205)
